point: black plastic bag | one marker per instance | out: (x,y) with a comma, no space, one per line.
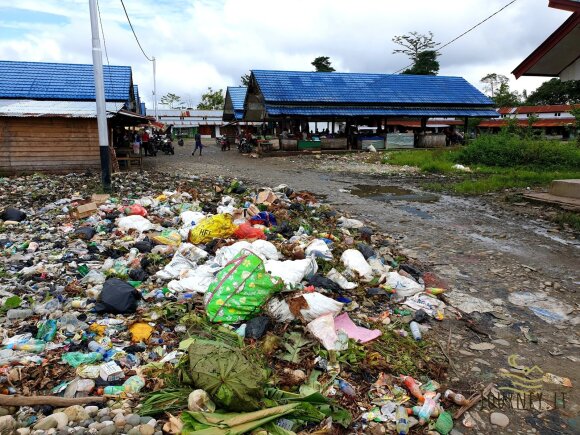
(117,297)
(13,214)
(365,250)
(256,327)
(323,282)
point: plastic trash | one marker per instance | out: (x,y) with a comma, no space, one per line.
(320,281)
(133,210)
(355,261)
(427,409)
(256,327)
(247,231)
(349,223)
(338,278)
(402,421)
(362,335)
(135,222)
(118,297)
(197,280)
(19,314)
(415,331)
(85,233)
(318,305)
(346,388)
(140,331)
(240,289)
(199,400)
(213,227)
(458,399)
(94,277)
(167,237)
(413,387)
(75,359)
(403,286)
(47,330)
(12,214)
(292,272)
(264,218)
(323,329)
(320,249)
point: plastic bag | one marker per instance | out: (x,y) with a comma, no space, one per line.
(292,272)
(178,264)
(167,237)
(240,289)
(117,297)
(350,223)
(403,286)
(135,222)
(247,231)
(320,249)
(213,227)
(355,261)
(75,359)
(197,280)
(134,210)
(323,329)
(225,254)
(191,217)
(318,305)
(264,218)
(140,332)
(265,249)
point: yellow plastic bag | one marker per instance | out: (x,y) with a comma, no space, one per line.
(213,227)
(140,332)
(167,237)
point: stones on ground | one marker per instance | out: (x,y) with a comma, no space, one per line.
(92,410)
(499,419)
(108,430)
(4,411)
(146,429)
(7,424)
(22,431)
(134,431)
(133,420)
(76,413)
(119,420)
(501,342)
(482,346)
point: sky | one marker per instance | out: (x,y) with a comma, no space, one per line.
(202,43)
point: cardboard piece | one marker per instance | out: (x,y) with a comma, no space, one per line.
(100,198)
(83,211)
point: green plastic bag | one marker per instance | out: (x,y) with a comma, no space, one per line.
(242,287)
(233,381)
(75,359)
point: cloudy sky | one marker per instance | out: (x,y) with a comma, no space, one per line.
(201,43)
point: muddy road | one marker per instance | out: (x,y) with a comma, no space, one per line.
(514,275)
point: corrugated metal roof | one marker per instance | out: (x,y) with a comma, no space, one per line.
(61,81)
(238,96)
(341,88)
(348,111)
(66,109)
(544,109)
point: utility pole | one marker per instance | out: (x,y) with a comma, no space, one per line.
(154,90)
(100,99)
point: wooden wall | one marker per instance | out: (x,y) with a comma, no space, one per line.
(48,144)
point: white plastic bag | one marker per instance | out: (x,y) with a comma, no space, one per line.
(192,252)
(318,305)
(354,261)
(178,265)
(191,218)
(323,329)
(319,249)
(197,280)
(403,286)
(265,249)
(292,272)
(226,254)
(336,276)
(349,223)
(135,222)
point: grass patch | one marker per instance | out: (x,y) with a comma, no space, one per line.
(498,162)
(568,218)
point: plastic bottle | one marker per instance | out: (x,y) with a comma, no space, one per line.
(18,313)
(134,384)
(427,409)
(413,387)
(346,388)
(96,347)
(415,330)
(47,330)
(416,409)
(114,390)
(458,399)
(402,420)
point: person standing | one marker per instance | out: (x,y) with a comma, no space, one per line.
(198,144)
(146,144)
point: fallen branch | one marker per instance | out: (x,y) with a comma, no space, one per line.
(56,401)
(472,401)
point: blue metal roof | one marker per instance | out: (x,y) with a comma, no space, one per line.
(356,88)
(238,96)
(348,111)
(61,81)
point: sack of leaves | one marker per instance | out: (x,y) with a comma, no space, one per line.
(233,381)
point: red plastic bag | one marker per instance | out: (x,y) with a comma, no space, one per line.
(247,231)
(134,209)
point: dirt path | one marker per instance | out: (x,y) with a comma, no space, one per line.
(483,249)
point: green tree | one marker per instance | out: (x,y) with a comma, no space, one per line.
(212,100)
(426,64)
(506,98)
(171,100)
(322,64)
(556,91)
(245,80)
(493,81)
(413,44)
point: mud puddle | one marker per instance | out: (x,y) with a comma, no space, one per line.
(391,193)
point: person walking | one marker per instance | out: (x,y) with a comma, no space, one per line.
(197,144)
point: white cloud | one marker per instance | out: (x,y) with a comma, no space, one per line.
(212,43)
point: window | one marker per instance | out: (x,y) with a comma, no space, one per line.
(557,114)
(503,116)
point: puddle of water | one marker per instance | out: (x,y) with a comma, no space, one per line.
(391,193)
(416,212)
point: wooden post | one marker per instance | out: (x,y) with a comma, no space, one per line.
(465,129)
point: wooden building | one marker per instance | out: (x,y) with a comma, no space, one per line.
(48,115)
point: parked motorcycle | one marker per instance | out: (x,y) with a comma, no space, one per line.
(223,142)
(167,146)
(245,146)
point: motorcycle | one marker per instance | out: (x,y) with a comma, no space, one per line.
(223,142)
(180,142)
(167,146)
(245,146)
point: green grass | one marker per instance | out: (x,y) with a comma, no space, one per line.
(497,162)
(568,218)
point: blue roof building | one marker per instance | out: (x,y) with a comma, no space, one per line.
(324,96)
(62,81)
(234,103)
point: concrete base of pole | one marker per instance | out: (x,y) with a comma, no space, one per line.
(105,169)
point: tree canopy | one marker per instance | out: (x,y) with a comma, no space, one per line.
(426,64)
(212,100)
(506,98)
(419,49)
(322,64)
(171,100)
(245,79)
(493,82)
(556,91)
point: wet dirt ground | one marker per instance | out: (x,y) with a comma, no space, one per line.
(483,247)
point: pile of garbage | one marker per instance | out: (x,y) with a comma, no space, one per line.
(203,306)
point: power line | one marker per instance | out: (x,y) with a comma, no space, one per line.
(463,34)
(134,34)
